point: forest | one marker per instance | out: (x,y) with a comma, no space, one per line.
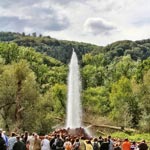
(33,82)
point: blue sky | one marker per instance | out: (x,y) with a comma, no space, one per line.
(93,21)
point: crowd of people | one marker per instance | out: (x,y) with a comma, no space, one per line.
(64,141)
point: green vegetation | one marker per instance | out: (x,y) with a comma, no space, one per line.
(33,82)
(132,137)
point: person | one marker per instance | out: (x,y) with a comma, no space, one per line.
(25,137)
(31,141)
(89,145)
(95,144)
(4,136)
(27,145)
(143,145)
(126,145)
(37,143)
(104,145)
(2,142)
(6,139)
(19,145)
(82,143)
(133,146)
(59,142)
(117,147)
(67,144)
(111,143)
(76,144)
(100,140)
(11,141)
(45,143)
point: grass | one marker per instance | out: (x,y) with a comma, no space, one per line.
(132,137)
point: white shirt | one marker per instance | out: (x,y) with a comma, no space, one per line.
(45,144)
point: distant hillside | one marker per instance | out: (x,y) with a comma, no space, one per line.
(58,49)
(61,49)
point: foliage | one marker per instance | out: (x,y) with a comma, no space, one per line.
(97,99)
(33,74)
(138,137)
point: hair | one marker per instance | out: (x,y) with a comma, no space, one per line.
(109,137)
(143,141)
(77,140)
(13,134)
(18,137)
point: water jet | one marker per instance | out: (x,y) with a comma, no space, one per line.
(74,107)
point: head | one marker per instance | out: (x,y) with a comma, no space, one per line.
(26,133)
(4,132)
(143,141)
(133,142)
(13,134)
(126,140)
(18,138)
(89,142)
(67,139)
(105,139)
(46,136)
(35,136)
(95,140)
(77,140)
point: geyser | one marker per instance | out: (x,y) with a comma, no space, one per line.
(74,108)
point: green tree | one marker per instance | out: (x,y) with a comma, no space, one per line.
(51,108)
(145,102)
(124,106)
(18,94)
(95,100)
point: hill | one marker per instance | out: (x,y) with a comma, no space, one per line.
(58,49)
(33,82)
(62,50)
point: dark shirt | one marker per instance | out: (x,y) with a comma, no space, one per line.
(143,146)
(117,148)
(104,146)
(2,144)
(19,146)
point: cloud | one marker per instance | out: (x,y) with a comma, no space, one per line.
(37,19)
(17,3)
(78,20)
(67,2)
(98,26)
(12,23)
(48,19)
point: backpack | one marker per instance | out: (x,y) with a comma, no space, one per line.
(59,144)
(95,146)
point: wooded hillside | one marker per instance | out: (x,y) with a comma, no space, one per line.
(33,82)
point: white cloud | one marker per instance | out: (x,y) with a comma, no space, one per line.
(98,26)
(79,20)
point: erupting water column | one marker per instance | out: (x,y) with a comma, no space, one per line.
(74,111)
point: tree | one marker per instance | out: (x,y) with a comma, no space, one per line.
(52,106)
(8,91)
(144,103)
(95,100)
(124,106)
(18,94)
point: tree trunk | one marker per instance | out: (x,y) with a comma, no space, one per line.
(18,116)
